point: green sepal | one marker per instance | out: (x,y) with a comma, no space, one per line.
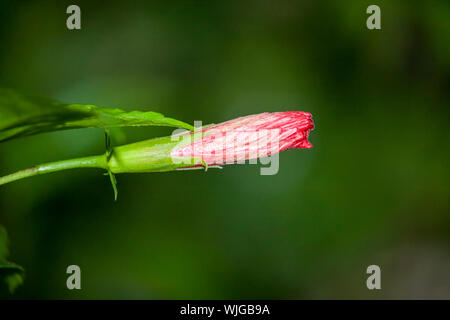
(154,155)
(109,152)
(113,180)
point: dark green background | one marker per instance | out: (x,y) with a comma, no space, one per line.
(373,190)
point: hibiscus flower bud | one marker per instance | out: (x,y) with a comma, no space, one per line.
(247,138)
(234,141)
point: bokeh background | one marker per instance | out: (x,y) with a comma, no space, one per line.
(373,190)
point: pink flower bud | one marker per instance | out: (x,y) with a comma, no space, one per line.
(249,137)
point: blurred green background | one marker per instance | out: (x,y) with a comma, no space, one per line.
(373,190)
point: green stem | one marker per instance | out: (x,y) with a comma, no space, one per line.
(86,162)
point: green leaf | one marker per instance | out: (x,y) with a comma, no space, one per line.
(23,115)
(10,273)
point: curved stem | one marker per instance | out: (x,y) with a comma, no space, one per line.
(86,162)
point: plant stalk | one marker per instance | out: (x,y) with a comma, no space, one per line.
(86,162)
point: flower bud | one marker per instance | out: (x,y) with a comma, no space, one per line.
(234,141)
